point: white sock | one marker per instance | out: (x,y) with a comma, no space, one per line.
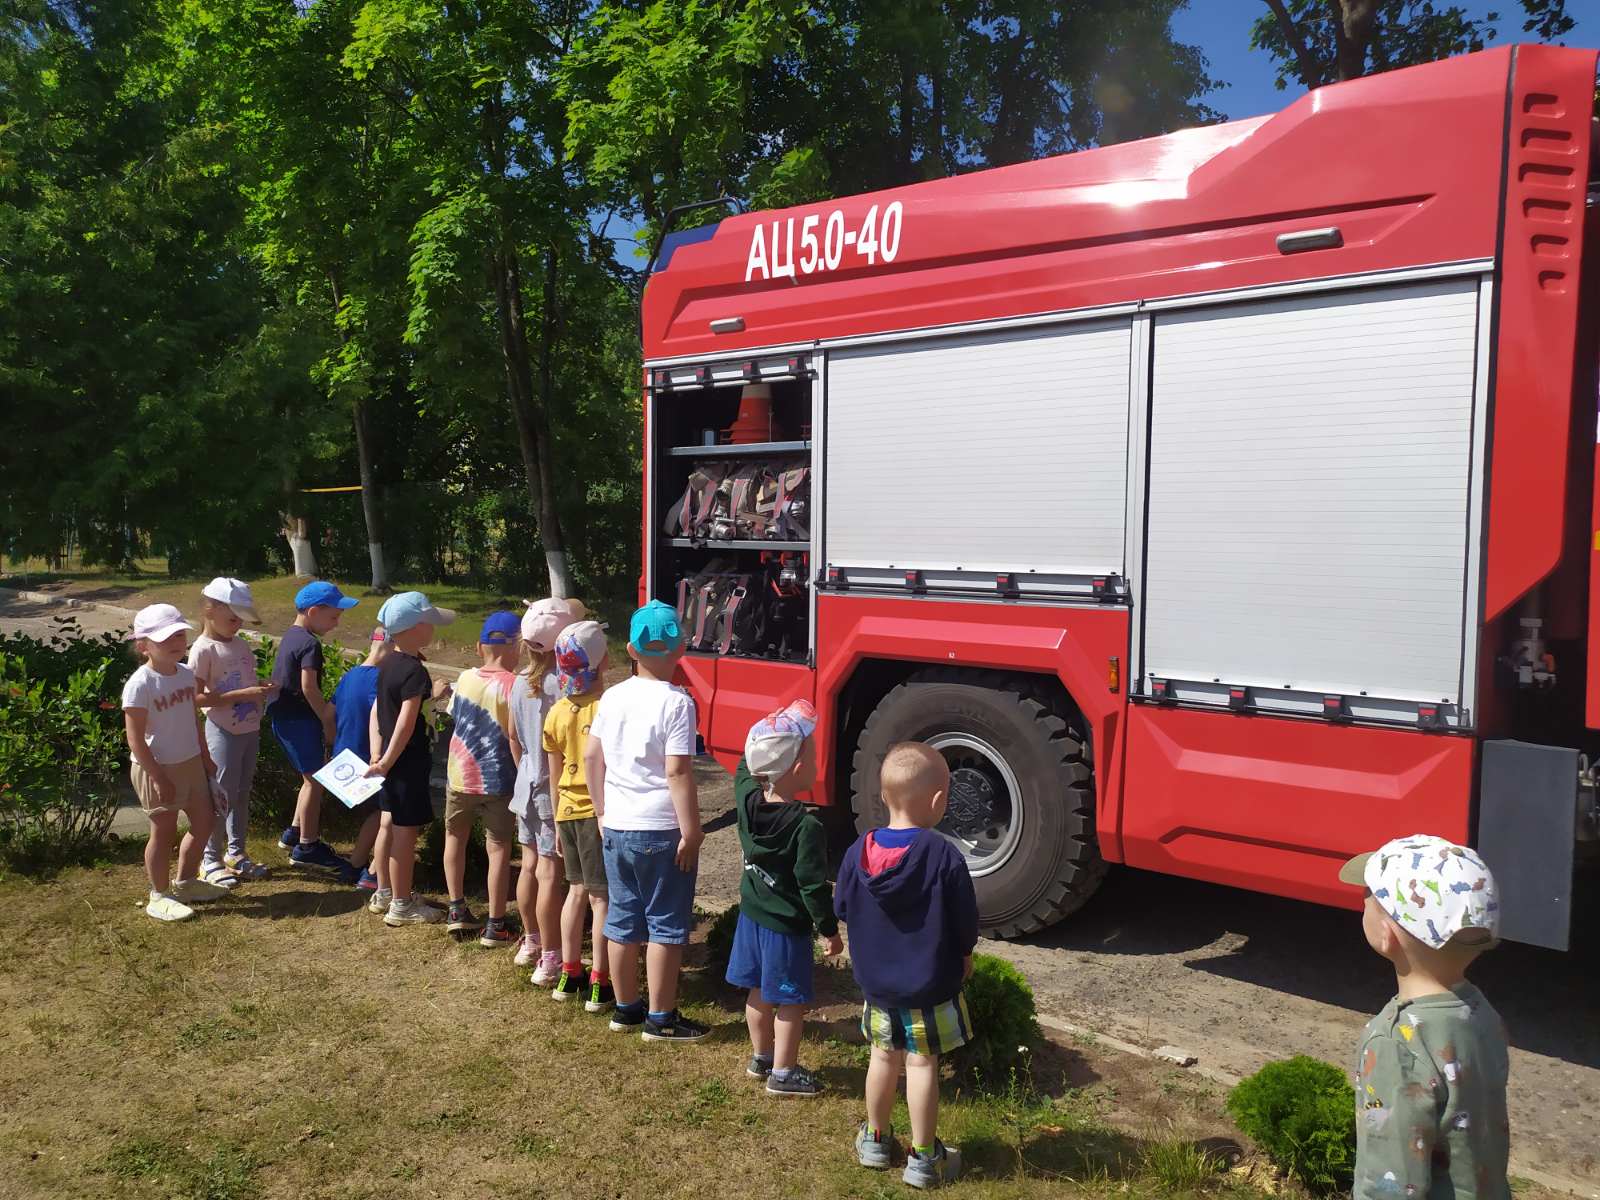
(155,895)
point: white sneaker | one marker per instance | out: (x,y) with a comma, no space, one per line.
(197,891)
(549,969)
(412,912)
(379,901)
(529,951)
(165,908)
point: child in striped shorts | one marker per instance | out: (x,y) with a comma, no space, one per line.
(906,896)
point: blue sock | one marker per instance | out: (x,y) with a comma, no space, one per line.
(663,1018)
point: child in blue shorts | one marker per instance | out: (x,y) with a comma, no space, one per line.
(784,895)
(303,721)
(640,770)
(906,895)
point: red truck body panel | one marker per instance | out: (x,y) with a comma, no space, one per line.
(1480,158)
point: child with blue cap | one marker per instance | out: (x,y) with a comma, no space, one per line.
(640,764)
(303,720)
(482,775)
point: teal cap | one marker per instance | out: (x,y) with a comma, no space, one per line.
(654,629)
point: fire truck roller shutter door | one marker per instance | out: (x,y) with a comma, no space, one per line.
(1021,805)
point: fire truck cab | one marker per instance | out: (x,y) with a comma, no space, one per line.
(1220,504)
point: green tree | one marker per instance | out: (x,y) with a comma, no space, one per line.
(1324,41)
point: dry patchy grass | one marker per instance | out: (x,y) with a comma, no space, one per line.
(286,1043)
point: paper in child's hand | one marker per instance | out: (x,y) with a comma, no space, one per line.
(346,777)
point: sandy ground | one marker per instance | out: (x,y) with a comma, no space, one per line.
(1239,979)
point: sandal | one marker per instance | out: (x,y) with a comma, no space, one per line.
(245,869)
(218,875)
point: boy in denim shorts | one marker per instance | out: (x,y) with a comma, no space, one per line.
(640,761)
(906,896)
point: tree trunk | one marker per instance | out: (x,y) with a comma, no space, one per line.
(369,497)
(1352,30)
(369,487)
(532,424)
(549,331)
(298,531)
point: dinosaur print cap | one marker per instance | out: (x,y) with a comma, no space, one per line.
(1433,888)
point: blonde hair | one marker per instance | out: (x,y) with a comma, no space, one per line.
(208,606)
(539,663)
(912,771)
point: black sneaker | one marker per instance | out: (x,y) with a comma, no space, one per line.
(570,987)
(799,1082)
(498,933)
(460,919)
(759,1067)
(680,1029)
(601,997)
(627,1019)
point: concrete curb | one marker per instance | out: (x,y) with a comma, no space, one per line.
(72,602)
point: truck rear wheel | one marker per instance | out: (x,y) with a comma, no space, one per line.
(1021,793)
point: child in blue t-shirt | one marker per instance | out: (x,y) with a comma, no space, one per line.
(353,698)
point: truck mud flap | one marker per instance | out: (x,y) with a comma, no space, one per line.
(1527,833)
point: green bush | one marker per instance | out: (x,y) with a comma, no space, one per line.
(62,748)
(1301,1112)
(1005,1025)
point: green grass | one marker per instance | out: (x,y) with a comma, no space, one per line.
(286,1043)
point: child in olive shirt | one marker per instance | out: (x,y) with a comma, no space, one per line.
(783,896)
(1431,1068)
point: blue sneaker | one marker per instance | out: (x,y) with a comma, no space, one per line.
(290,837)
(367,881)
(348,874)
(933,1170)
(319,854)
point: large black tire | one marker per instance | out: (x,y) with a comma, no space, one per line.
(1052,864)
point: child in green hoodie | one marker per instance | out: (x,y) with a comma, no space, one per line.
(784,896)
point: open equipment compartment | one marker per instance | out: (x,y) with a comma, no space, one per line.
(730,503)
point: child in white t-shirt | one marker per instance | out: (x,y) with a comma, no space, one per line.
(171,768)
(224,666)
(640,767)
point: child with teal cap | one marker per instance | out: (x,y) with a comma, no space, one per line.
(640,767)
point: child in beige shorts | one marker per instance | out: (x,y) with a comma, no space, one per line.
(172,771)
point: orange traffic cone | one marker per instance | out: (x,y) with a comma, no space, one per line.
(754,423)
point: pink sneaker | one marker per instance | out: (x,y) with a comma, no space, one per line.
(548,970)
(529,951)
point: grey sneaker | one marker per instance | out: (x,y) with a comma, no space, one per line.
(798,1082)
(874,1152)
(760,1066)
(379,901)
(412,912)
(941,1167)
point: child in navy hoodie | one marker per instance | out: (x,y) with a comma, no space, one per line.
(906,896)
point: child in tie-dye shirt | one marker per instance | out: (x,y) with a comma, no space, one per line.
(1431,1067)
(482,776)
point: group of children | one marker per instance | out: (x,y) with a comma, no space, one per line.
(596,785)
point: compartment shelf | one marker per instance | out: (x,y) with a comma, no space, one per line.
(683,543)
(736,451)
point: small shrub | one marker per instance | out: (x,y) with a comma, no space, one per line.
(1178,1166)
(1301,1112)
(719,941)
(1005,1025)
(62,750)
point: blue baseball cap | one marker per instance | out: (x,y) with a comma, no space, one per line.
(654,629)
(501,629)
(320,591)
(408,609)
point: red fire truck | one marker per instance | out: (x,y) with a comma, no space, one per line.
(1220,504)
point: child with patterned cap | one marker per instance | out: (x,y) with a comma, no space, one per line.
(640,764)
(581,664)
(539,890)
(784,894)
(1431,1067)
(224,667)
(483,758)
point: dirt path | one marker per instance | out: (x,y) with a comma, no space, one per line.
(1239,979)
